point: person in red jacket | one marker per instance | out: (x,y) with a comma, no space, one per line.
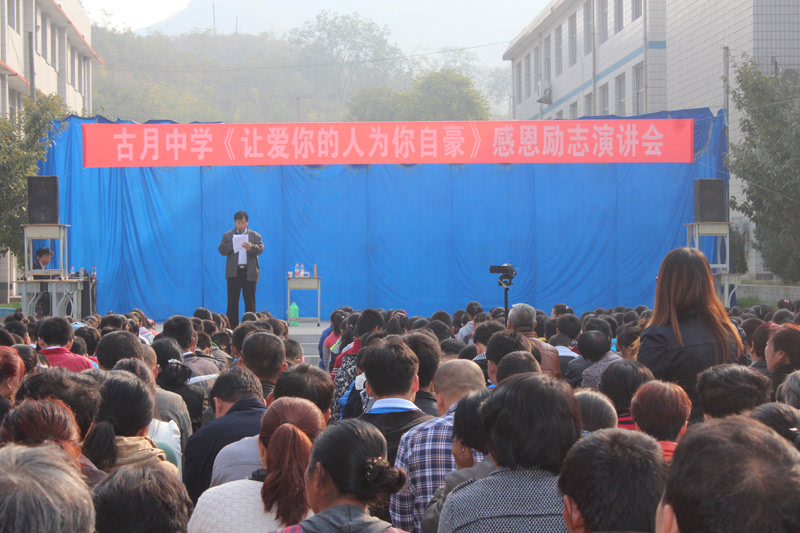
(55,340)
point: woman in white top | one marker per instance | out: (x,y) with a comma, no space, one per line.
(275,496)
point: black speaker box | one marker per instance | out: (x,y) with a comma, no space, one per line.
(709,200)
(42,199)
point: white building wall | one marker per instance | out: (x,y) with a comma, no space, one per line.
(619,54)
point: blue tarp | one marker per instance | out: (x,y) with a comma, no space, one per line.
(418,237)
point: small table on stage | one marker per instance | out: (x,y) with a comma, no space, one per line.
(302,283)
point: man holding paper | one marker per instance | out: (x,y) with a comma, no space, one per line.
(242,246)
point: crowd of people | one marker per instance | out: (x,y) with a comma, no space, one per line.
(679,418)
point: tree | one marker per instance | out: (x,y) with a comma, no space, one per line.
(441,95)
(767,159)
(344,53)
(24,142)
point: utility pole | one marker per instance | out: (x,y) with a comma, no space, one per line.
(214,17)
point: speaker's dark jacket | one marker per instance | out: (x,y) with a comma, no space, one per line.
(232,264)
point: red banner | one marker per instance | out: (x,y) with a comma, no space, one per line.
(375,143)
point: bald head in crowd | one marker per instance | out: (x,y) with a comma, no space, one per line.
(453,380)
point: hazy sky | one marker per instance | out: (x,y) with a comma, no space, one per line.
(416,25)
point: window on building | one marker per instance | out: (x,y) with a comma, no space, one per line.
(537,69)
(602,21)
(619,15)
(573,110)
(573,39)
(587,105)
(11,9)
(72,66)
(559,115)
(528,76)
(619,85)
(587,27)
(547,58)
(636,9)
(638,90)
(559,58)
(54,46)
(518,85)
(603,103)
(44,36)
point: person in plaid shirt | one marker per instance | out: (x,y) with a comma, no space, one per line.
(425,451)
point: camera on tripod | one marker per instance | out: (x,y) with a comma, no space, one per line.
(506,272)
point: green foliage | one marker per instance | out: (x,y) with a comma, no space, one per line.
(23,144)
(768,161)
(738,247)
(440,95)
(331,66)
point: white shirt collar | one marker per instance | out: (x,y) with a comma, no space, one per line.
(394,403)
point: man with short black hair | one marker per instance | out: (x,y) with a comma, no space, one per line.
(473,308)
(502,344)
(180,328)
(240,459)
(558,311)
(569,325)
(425,451)
(612,480)
(239,407)
(731,474)
(517,363)
(725,390)
(241,267)
(429,354)
(391,368)
(480,338)
(55,340)
(265,356)
(522,319)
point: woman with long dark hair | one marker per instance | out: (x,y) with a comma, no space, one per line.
(173,376)
(689,330)
(275,495)
(119,434)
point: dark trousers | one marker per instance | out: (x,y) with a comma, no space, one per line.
(236,285)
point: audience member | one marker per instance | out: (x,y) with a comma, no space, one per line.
(180,328)
(425,452)
(620,382)
(239,407)
(661,410)
(530,423)
(344,369)
(429,355)
(42,492)
(597,411)
(517,363)
(522,319)
(502,344)
(784,419)
(473,308)
(612,480)
(783,352)
(725,390)
(273,496)
(628,340)
(732,474)
(12,371)
(116,346)
(55,340)
(294,352)
(347,471)
(265,356)
(451,348)
(241,458)
(174,376)
(468,442)
(141,499)
(690,330)
(595,347)
(789,391)
(758,348)
(118,436)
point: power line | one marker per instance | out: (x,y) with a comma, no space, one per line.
(312,65)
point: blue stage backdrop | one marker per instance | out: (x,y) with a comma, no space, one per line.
(419,237)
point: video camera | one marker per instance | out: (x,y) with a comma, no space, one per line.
(506,271)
